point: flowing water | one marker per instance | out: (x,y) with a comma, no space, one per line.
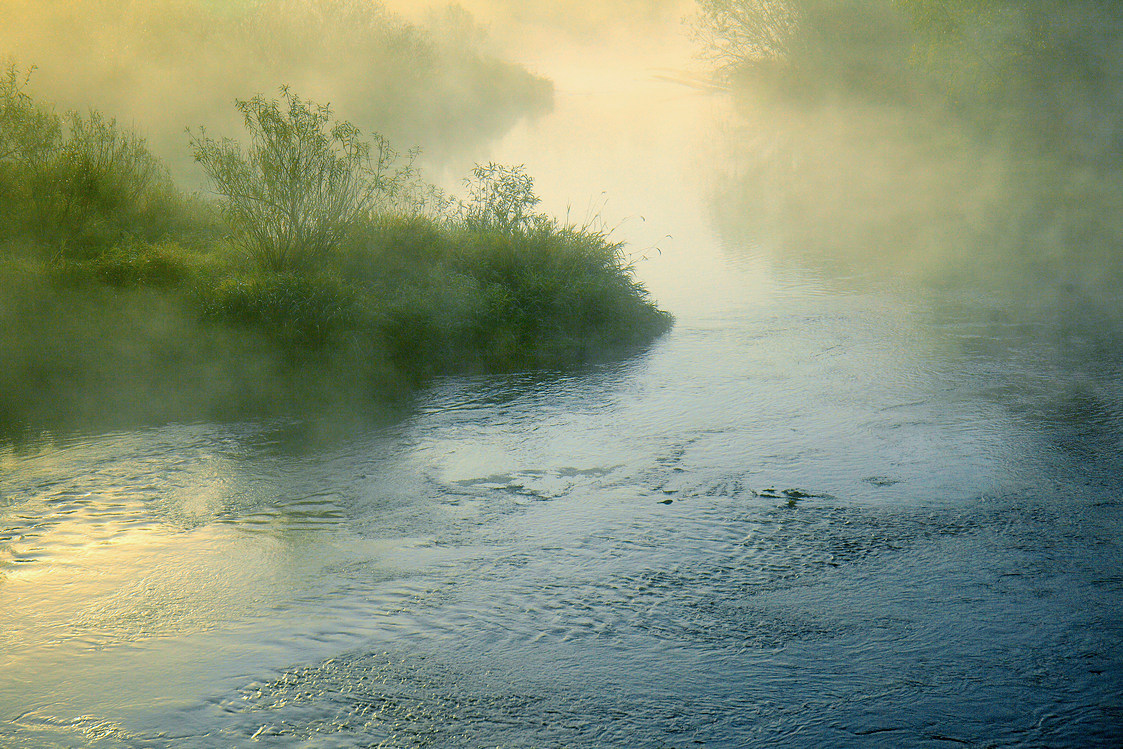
(838,505)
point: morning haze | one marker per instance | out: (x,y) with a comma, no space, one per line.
(643,373)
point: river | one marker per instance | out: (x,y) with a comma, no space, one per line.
(839,504)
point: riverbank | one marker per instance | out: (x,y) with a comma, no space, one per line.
(128,301)
(161,332)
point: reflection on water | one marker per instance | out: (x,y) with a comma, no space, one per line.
(850,500)
(505,570)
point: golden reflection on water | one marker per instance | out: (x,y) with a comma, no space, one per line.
(106,554)
(81,585)
(136,559)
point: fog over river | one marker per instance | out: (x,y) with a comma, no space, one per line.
(866,492)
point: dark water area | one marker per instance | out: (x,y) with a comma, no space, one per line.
(851,499)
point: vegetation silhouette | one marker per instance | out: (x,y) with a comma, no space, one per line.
(303,184)
(1043,72)
(326,271)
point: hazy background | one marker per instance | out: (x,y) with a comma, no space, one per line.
(167,65)
(962,157)
(970,150)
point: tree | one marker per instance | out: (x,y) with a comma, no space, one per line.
(29,135)
(78,182)
(302,184)
(740,32)
(844,44)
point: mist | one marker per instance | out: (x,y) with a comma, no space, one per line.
(718,373)
(940,157)
(165,66)
(159,80)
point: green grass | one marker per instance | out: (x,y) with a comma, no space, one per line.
(299,311)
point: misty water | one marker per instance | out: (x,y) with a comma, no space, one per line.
(844,502)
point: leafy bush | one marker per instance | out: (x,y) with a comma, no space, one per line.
(553,296)
(809,48)
(141,264)
(169,63)
(361,266)
(99,185)
(28,133)
(737,32)
(423,324)
(80,183)
(297,310)
(1043,69)
(303,184)
(500,198)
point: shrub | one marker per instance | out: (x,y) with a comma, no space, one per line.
(422,325)
(28,136)
(739,32)
(500,198)
(553,296)
(99,186)
(28,133)
(297,310)
(304,182)
(80,183)
(140,264)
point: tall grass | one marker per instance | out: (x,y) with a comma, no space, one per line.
(526,290)
(546,295)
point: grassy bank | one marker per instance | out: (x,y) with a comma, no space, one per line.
(325,273)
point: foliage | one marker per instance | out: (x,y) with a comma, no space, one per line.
(739,32)
(494,287)
(28,133)
(810,46)
(163,64)
(554,295)
(361,267)
(28,137)
(79,182)
(298,310)
(142,264)
(998,47)
(1045,73)
(466,295)
(303,184)
(133,263)
(97,186)
(500,198)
